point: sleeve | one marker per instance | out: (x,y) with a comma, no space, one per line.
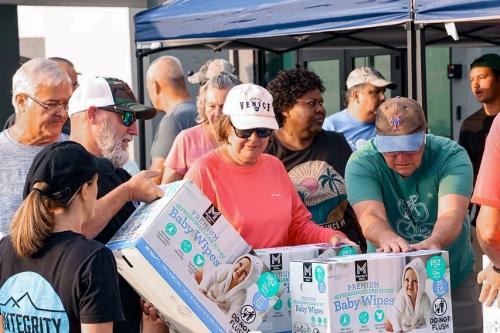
(361,180)
(98,289)
(176,158)
(328,124)
(165,136)
(455,173)
(198,174)
(488,179)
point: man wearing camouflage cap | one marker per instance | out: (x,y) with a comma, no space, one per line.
(410,191)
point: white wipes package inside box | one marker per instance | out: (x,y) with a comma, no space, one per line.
(185,258)
(491,314)
(378,292)
(278,260)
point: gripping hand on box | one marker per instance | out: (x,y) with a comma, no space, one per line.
(141,187)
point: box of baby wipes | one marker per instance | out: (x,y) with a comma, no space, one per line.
(404,292)
(184,257)
(278,260)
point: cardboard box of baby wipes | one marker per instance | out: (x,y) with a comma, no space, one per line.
(182,255)
(278,260)
(407,292)
(491,314)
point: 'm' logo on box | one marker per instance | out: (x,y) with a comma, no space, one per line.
(307,272)
(211,215)
(276,263)
(361,270)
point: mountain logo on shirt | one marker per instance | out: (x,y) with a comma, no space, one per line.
(211,215)
(29,303)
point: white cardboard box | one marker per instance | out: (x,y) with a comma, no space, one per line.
(278,260)
(491,314)
(363,293)
(163,245)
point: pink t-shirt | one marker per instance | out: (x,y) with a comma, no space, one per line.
(259,201)
(487,190)
(189,145)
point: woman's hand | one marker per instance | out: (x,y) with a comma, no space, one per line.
(339,238)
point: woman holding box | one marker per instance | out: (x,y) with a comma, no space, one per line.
(52,278)
(251,189)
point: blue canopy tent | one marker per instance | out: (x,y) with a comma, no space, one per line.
(278,26)
(285,25)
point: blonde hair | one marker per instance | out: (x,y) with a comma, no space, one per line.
(33,222)
(222,127)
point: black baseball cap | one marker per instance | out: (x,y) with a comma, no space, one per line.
(65,167)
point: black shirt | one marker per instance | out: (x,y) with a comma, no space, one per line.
(71,280)
(473,133)
(110,178)
(317,174)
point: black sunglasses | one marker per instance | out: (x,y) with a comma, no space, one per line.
(246,133)
(128,117)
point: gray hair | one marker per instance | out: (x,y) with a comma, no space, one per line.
(165,67)
(37,73)
(221,81)
(350,91)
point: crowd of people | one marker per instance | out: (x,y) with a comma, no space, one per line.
(268,158)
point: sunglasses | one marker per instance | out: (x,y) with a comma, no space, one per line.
(246,133)
(128,117)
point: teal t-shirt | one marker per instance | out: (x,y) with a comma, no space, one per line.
(411,203)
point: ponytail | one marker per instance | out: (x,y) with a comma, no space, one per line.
(33,222)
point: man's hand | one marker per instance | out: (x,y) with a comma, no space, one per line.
(141,187)
(427,244)
(151,321)
(491,286)
(394,244)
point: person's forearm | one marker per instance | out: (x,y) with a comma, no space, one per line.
(106,207)
(488,233)
(378,231)
(447,229)
(157,163)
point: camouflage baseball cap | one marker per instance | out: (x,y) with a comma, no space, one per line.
(107,92)
(400,124)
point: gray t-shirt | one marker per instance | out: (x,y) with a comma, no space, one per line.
(183,116)
(14,165)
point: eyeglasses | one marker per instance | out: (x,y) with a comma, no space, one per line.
(51,107)
(128,117)
(246,133)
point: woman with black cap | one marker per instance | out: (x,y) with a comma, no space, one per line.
(52,279)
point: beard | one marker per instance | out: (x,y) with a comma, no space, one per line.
(111,145)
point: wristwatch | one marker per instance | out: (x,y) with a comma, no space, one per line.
(495,269)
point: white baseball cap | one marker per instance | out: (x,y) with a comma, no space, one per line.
(250,106)
(107,92)
(363,75)
(210,69)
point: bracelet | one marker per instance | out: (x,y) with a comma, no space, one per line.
(495,269)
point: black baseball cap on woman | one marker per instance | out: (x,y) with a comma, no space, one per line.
(65,166)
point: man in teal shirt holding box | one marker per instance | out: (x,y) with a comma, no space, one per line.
(410,191)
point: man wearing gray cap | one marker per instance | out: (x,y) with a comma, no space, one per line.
(365,92)
(410,191)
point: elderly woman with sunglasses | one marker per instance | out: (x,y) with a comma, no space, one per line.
(196,141)
(250,188)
